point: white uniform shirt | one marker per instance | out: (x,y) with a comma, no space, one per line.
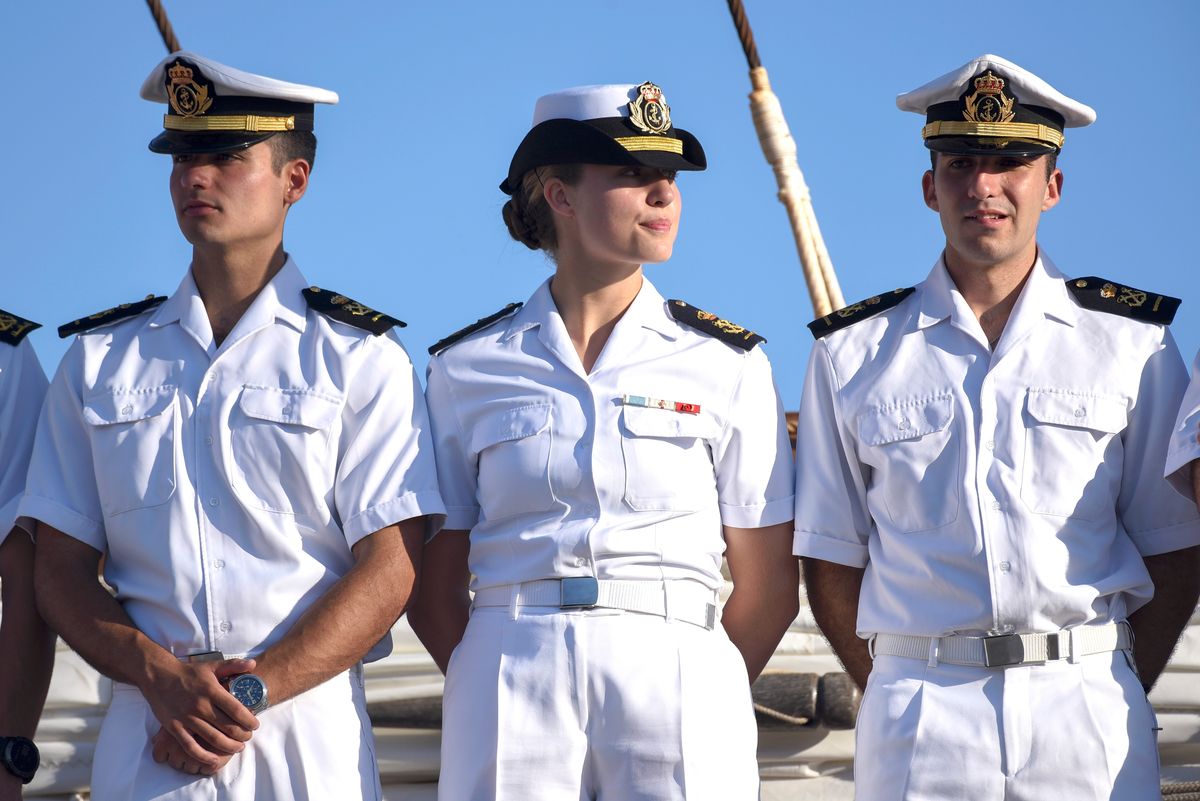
(556,477)
(1006,491)
(1185,439)
(22,389)
(227,485)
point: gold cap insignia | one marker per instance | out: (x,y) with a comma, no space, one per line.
(649,111)
(187,98)
(988,103)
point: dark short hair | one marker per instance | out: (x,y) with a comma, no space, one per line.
(290,145)
(1051,162)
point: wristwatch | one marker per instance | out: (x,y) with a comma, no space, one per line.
(250,690)
(20,757)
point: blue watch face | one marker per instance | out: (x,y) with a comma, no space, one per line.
(248,690)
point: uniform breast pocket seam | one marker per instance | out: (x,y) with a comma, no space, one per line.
(650,426)
(133,412)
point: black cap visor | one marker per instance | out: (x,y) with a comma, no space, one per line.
(189,142)
(562,141)
(983,146)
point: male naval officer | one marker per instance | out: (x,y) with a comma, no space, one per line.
(26,642)
(980,495)
(252,457)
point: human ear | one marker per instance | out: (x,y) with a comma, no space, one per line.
(558,197)
(1053,190)
(928,191)
(296,180)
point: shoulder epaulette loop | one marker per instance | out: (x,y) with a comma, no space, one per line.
(857,312)
(478,325)
(349,311)
(13,328)
(115,314)
(716,327)
(1099,294)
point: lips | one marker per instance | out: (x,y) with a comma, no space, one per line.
(196,208)
(658,225)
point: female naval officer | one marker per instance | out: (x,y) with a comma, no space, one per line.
(599,449)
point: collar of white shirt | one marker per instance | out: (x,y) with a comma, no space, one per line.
(281,299)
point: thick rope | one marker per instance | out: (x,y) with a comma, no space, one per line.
(1182,791)
(780,150)
(744,33)
(164,25)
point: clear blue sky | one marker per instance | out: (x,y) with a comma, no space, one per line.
(404,213)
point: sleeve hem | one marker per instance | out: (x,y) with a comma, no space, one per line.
(396,510)
(1175,537)
(760,515)
(66,520)
(828,549)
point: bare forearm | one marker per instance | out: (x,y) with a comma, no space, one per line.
(73,602)
(26,642)
(358,611)
(766,591)
(1158,624)
(442,609)
(833,592)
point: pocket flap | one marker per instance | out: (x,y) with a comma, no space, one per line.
(907,421)
(647,422)
(1064,407)
(127,405)
(510,424)
(302,407)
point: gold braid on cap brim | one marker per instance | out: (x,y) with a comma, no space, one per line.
(663,143)
(996,130)
(239,122)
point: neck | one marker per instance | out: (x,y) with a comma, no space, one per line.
(229,279)
(990,290)
(590,301)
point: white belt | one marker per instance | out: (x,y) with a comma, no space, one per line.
(1008,650)
(689,601)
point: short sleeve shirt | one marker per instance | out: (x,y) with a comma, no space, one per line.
(1185,437)
(558,472)
(22,388)
(226,485)
(991,491)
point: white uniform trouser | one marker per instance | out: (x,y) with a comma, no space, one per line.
(1061,731)
(596,704)
(315,747)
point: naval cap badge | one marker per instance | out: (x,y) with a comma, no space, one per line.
(188,98)
(649,111)
(988,103)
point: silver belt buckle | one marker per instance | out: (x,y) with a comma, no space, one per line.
(578,592)
(1003,650)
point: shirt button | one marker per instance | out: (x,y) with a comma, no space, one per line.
(996,505)
(208,440)
(990,445)
(1004,567)
(225,626)
(904,424)
(1080,412)
(580,562)
(218,563)
(127,409)
(213,502)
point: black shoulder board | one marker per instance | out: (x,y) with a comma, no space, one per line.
(478,325)
(857,312)
(13,328)
(110,315)
(714,326)
(1098,294)
(348,311)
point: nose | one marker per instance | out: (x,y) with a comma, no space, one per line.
(662,192)
(193,175)
(983,182)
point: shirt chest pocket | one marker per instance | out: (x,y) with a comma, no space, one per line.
(281,449)
(513,448)
(133,433)
(1071,466)
(916,462)
(668,465)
